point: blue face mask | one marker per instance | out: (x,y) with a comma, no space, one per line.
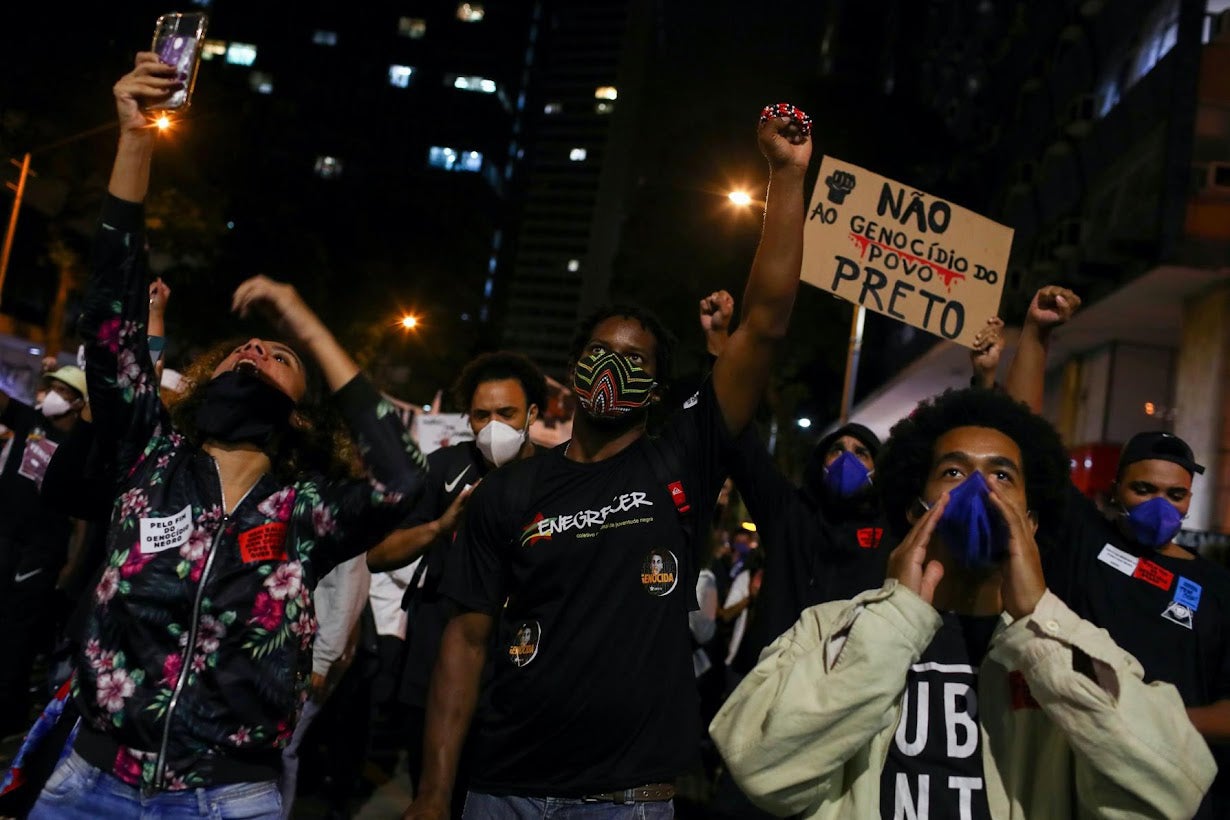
(973,530)
(1154,523)
(846,476)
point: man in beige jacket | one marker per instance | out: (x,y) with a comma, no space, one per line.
(962,688)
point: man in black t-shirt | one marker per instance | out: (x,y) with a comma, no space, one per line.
(1166,605)
(599,704)
(33,535)
(503,394)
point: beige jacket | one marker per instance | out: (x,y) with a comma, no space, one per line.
(809,729)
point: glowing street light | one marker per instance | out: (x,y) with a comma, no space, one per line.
(409,322)
(740,198)
(804,423)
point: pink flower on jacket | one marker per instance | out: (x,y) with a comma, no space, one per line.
(267,611)
(135,562)
(322,520)
(114,688)
(285,581)
(109,334)
(128,764)
(108,585)
(305,628)
(209,634)
(241,736)
(197,546)
(279,505)
(128,371)
(134,504)
(171,667)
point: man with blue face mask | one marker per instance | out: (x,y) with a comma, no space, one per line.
(1122,569)
(962,687)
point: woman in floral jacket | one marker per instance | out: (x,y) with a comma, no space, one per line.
(196,657)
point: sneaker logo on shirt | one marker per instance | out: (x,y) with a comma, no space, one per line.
(660,573)
(25,576)
(449,486)
(524,647)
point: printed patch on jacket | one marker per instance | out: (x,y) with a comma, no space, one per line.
(869,537)
(264,543)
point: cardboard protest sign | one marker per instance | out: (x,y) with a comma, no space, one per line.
(904,253)
(435,430)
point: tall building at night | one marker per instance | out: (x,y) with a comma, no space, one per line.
(1101,133)
(577,149)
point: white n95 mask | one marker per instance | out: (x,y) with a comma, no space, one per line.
(499,442)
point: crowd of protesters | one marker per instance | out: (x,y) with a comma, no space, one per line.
(231,572)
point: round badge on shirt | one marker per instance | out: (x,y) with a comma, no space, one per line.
(660,572)
(524,646)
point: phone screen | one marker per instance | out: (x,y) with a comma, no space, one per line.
(177,42)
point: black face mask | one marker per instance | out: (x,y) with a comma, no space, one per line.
(241,407)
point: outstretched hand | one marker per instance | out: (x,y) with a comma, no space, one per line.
(784,144)
(159,295)
(281,304)
(716,310)
(908,562)
(1023,583)
(150,81)
(988,345)
(1052,306)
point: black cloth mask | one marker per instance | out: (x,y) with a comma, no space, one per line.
(242,407)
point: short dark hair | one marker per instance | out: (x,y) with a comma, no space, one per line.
(664,340)
(905,462)
(498,365)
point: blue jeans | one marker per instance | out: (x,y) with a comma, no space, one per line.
(78,791)
(481,806)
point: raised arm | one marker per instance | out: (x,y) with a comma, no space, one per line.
(1051,307)
(742,371)
(984,357)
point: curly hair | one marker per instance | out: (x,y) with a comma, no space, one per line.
(906,460)
(664,347)
(501,364)
(320,445)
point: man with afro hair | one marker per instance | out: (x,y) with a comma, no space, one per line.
(962,687)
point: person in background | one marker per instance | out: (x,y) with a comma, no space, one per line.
(1167,605)
(503,393)
(36,539)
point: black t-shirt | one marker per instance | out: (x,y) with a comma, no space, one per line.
(812,555)
(592,577)
(450,471)
(38,533)
(934,764)
(1172,614)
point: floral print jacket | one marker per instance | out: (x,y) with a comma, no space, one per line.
(197,652)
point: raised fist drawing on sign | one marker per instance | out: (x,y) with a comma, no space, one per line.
(840,183)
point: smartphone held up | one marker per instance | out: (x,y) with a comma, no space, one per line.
(177,42)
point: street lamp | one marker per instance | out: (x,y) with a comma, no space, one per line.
(19,188)
(740,198)
(409,322)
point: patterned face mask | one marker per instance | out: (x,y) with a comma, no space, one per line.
(610,386)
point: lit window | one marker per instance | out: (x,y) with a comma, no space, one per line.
(452,160)
(213,48)
(574,265)
(491,264)
(328,167)
(482,84)
(399,75)
(470,12)
(577,155)
(413,27)
(488,286)
(325,38)
(241,54)
(606,92)
(552,108)
(604,107)
(261,82)
(202,3)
